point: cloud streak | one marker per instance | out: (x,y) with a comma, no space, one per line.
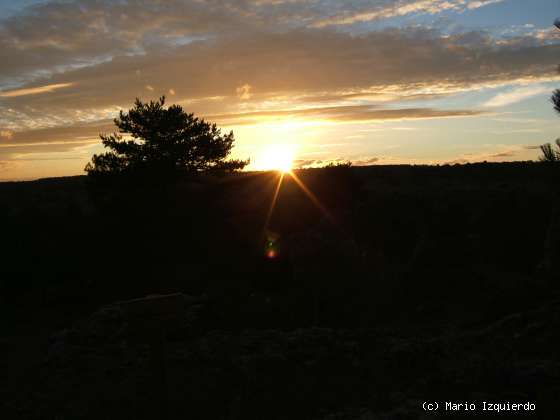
(33,90)
(516,95)
(349,114)
(402,8)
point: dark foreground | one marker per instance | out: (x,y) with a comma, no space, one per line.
(405,285)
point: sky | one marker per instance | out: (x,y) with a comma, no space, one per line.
(366,81)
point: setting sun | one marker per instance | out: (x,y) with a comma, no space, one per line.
(278,157)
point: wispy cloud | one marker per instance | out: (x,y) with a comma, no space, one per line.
(64,135)
(403,8)
(356,113)
(481,3)
(33,90)
(498,153)
(515,95)
(244,92)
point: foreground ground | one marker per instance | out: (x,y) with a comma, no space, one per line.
(386,287)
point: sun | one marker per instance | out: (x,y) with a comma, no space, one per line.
(279,157)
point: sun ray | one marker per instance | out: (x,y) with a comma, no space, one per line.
(270,248)
(313,197)
(269,237)
(274,199)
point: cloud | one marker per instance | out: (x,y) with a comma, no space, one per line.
(356,113)
(33,90)
(19,152)
(65,135)
(307,163)
(501,153)
(6,134)
(244,92)
(481,3)
(300,62)
(389,9)
(37,42)
(509,153)
(25,161)
(57,36)
(5,167)
(548,34)
(366,161)
(516,95)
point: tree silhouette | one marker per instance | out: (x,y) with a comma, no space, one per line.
(162,140)
(548,152)
(556,100)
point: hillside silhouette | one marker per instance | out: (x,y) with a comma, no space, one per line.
(386,287)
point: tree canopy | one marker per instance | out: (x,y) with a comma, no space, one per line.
(158,139)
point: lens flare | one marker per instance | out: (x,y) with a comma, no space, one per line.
(270,249)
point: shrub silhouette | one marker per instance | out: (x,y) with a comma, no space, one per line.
(341,165)
(549,154)
(163,140)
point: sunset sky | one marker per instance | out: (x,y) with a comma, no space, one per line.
(378,81)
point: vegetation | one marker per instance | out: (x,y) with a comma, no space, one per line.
(556,100)
(422,281)
(548,152)
(341,164)
(162,140)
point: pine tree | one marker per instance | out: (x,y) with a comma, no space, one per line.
(159,140)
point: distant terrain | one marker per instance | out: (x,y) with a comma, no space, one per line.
(404,284)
